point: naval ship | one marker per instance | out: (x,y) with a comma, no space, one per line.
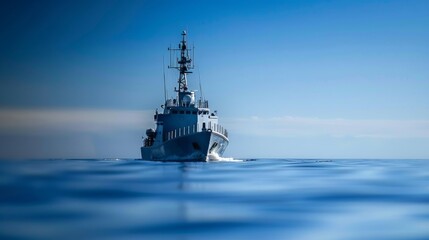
(186,130)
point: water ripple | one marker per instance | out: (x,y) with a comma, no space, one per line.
(249,199)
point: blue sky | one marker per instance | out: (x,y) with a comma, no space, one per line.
(295,79)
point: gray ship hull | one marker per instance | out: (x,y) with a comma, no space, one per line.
(194,147)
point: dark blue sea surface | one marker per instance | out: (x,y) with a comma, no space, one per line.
(250,199)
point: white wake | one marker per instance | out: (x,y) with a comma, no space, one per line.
(217,158)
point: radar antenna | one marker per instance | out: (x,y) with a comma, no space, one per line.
(183,62)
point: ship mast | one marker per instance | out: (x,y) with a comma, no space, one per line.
(183,64)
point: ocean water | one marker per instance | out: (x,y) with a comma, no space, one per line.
(231,199)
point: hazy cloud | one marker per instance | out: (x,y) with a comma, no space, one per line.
(45,122)
(311,127)
(78,133)
(89,133)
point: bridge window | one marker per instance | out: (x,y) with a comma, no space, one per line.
(182,112)
(188,112)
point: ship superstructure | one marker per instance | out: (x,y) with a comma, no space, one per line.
(186,130)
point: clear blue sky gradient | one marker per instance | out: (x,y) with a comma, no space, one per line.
(353,60)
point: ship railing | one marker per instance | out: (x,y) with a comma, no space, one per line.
(203,103)
(192,129)
(217,128)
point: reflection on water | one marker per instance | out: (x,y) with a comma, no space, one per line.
(263,198)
